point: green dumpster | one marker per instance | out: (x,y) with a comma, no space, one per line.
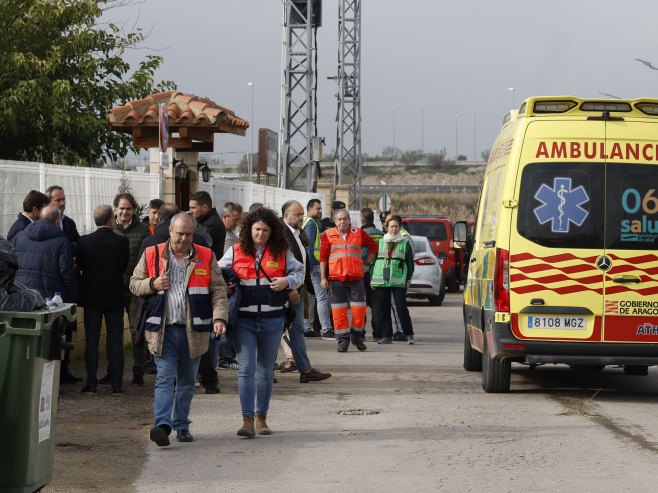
(30,352)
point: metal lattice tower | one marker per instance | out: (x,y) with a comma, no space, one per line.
(348,135)
(298,111)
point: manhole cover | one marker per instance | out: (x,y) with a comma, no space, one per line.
(357,412)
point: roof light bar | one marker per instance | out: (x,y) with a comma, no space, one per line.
(553,106)
(606,106)
(648,108)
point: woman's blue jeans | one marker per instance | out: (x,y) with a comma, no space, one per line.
(256,343)
(171,406)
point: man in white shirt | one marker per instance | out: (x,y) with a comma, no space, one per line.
(293,215)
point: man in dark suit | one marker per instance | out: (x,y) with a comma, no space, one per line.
(102,258)
(208,217)
(57,198)
(32,204)
(293,215)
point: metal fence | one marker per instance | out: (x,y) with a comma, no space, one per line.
(246,193)
(87,188)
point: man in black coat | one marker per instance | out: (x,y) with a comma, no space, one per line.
(293,215)
(32,204)
(161,232)
(67,225)
(102,258)
(58,199)
(207,217)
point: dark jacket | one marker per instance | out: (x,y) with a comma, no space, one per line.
(19,225)
(217,231)
(136,232)
(102,259)
(300,254)
(71,233)
(46,262)
(375,234)
(161,234)
(70,229)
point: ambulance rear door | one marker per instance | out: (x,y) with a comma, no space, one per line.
(630,262)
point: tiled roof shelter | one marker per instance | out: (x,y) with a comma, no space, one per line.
(193,118)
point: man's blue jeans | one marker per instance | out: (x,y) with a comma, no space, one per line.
(175,369)
(256,343)
(296,334)
(322,297)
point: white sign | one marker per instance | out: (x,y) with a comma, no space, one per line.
(384,203)
(46,400)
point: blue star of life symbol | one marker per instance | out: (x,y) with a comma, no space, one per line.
(561,205)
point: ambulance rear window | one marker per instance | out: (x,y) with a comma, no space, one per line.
(632,207)
(561,205)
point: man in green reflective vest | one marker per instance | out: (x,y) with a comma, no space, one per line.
(313,230)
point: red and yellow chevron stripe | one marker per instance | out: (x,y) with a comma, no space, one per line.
(567,273)
(563,273)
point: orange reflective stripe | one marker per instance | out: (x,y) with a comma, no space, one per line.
(341,322)
(358,316)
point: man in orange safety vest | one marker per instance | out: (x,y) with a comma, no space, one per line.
(341,271)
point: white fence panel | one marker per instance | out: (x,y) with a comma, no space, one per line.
(245,194)
(85,189)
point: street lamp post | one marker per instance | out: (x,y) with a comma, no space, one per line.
(456,136)
(393,128)
(251,126)
(474,134)
(511,89)
(422,131)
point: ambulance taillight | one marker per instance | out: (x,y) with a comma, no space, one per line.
(501,281)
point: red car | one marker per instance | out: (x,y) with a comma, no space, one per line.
(439,230)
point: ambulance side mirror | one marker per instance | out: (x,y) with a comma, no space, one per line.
(461,235)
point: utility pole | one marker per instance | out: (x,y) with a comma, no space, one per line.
(348,145)
(301,20)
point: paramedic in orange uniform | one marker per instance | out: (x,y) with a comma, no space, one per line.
(341,270)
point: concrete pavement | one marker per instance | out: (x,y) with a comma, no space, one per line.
(400,418)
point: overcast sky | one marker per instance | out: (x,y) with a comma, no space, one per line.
(433,57)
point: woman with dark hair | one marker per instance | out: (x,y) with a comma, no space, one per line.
(267,270)
(390,276)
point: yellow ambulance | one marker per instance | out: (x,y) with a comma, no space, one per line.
(564,259)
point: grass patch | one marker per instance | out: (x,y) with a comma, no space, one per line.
(582,407)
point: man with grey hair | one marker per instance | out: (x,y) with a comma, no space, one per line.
(231,215)
(102,258)
(45,258)
(190,302)
(58,199)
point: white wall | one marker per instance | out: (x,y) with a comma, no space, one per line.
(87,188)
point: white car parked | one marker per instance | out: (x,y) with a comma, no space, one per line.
(427,281)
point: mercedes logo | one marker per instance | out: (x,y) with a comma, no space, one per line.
(604,263)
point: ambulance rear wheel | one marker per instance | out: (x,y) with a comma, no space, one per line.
(472,357)
(496,373)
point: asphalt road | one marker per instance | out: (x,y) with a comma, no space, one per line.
(409,418)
